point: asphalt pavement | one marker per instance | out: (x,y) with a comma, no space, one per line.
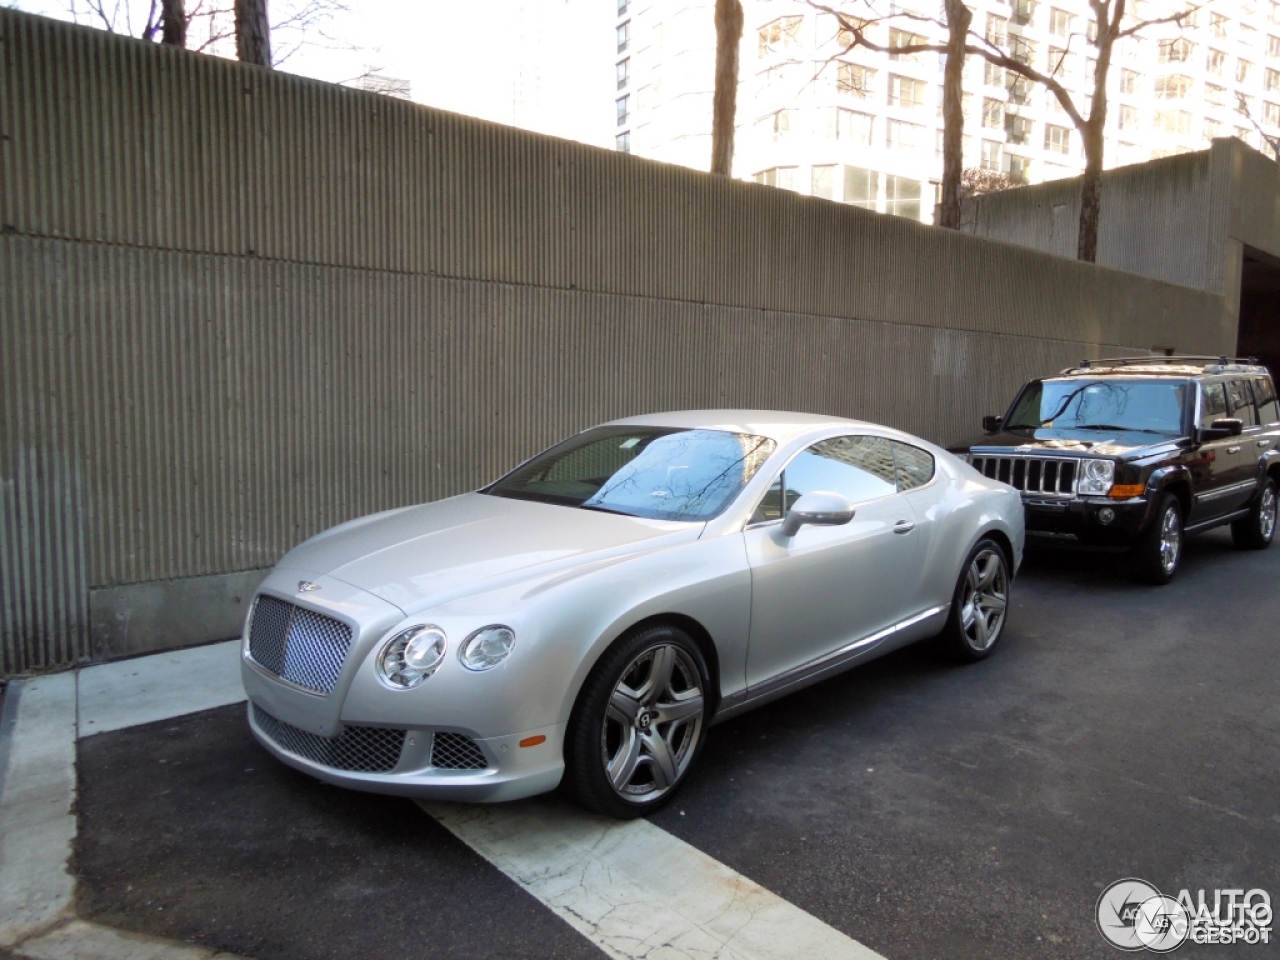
(924,809)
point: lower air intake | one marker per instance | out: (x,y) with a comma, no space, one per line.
(357,749)
(453,751)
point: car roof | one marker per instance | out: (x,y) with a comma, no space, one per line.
(777,425)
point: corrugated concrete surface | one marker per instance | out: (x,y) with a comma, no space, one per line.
(239,307)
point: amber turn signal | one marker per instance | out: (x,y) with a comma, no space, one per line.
(533,741)
(1123,491)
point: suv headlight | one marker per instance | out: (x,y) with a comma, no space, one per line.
(487,647)
(1096,477)
(411,656)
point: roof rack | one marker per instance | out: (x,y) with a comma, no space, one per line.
(1220,363)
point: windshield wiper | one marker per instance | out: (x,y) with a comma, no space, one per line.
(599,509)
(1112,426)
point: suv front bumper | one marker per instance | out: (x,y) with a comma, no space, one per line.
(1077,521)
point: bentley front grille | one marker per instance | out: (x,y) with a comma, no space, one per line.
(453,751)
(357,749)
(1037,476)
(297,644)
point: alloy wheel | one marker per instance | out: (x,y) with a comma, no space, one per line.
(652,724)
(1171,539)
(1267,513)
(986,598)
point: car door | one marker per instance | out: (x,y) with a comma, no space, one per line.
(828,586)
(1211,466)
(1241,482)
(1264,395)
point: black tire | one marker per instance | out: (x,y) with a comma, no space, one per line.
(1258,529)
(1158,553)
(649,735)
(979,605)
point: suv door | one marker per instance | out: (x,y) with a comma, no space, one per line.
(1212,463)
(1242,481)
(1264,396)
(828,587)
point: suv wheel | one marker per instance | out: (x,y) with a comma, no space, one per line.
(1159,550)
(1256,531)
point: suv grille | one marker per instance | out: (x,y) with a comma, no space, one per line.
(1043,476)
(453,751)
(361,749)
(296,644)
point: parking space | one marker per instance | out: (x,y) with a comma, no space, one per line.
(922,809)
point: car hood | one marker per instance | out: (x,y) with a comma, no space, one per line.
(1097,443)
(438,551)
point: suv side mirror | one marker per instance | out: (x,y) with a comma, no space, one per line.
(819,508)
(1221,429)
(991,423)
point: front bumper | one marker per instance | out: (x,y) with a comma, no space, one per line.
(1076,521)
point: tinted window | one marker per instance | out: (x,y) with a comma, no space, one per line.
(1264,393)
(857,468)
(1214,404)
(1241,398)
(654,472)
(914,466)
(1150,406)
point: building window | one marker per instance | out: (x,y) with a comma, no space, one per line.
(1174,122)
(902,197)
(900,135)
(768,177)
(997,32)
(1023,11)
(1215,95)
(1018,168)
(823,182)
(1060,22)
(1272,81)
(787,178)
(624,73)
(861,187)
(1019,90)
(624,110)
(1218,25)
(1090,70)
(992,155)
(1271,114)
(777,124)
(1216,62)
(854,79)
(992,75)
(1017,129)
(1273,48)
(781,34)
(1128,119)
(1243,70)
(905,92)
(1178,50)
(1212,129)
(1275,11)
(622,142)
(992,113)
(624,36)
(1128,81)
(905,38)
(1022,50)
(1057,139)
(1175,87)
(849,125)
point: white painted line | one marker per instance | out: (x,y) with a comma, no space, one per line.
(79,940)
(131,692)
(635,890)
(37,826)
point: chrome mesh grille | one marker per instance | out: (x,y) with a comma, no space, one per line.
(1039,476)
(453,751)
(358,749)
(298,645)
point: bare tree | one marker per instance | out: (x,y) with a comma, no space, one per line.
(975,181)
(1242,107)
(1110,25)
(173,20)
(729,19)
(253,32)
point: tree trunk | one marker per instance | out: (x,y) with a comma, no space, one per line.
(174,20)
(958,19)
(1091,132)
(725,102)
(253,32)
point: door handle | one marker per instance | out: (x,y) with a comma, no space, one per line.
(1235,449)
(903,526)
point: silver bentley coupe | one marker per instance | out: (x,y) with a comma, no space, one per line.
(584,619)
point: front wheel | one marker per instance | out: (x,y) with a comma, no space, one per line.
(1256,530)
(980,604)
(1159,551)
(638,724)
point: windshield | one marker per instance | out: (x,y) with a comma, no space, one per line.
(659,473)
(1143,406)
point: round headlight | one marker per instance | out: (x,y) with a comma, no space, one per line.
(411,656)
(487,647)
(1096,476)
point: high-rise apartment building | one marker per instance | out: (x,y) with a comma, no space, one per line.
(865,128)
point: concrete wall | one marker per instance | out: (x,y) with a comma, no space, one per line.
(239,307)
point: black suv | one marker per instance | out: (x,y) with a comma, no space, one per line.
(1133,453)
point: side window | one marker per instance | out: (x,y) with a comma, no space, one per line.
(1242,402)
(1215,404)
(771,506)
(914,466)
(859,468)
(1264,393)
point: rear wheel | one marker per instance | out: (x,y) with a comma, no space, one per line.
(1258,529)
(980,604)
(1159,550)
(639,723)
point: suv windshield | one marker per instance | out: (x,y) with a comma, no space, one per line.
(659,473)
(1144,406)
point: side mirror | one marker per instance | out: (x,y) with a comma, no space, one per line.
(991,423)
(1221,429)
(820,508)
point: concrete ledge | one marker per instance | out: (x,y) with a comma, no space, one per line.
(169,614)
